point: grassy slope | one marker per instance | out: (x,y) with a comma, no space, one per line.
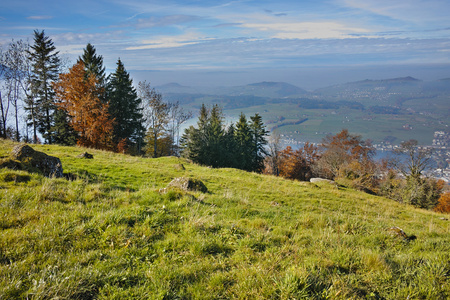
(111,234)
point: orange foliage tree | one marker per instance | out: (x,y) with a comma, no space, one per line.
(443,204)
(78,94)
(298,164)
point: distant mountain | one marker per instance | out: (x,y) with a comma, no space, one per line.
(261,89)
(281,89)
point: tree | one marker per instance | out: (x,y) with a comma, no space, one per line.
(340,150)
(124,107)
(418,190)
(15,63)
(298,164)
(4,101)
(244,144)
(259,142)
(156,113)
(415,159)
(93,64)
(78,96)
(45,67)
(177,117)
(443,203)
(214,144)
(272,160)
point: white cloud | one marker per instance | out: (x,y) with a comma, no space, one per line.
(306,30)
(40,17)
(169,42)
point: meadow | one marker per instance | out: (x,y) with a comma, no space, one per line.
(115,231)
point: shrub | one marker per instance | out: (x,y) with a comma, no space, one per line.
(443,204)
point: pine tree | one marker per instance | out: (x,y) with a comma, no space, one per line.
(124,107)
(259,142)
(93,64)
(45,67)
(244,144)
(62,132)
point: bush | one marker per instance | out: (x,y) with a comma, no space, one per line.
(443,204)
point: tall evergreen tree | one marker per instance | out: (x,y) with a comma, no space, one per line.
(62,132)
(93,64)
(45,68)
(238,146)
(124,107)
(259,142)
(244,147)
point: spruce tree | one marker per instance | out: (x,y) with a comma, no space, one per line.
(259,142)
(93,64)
(244,145)
(124,107)
(45,68)
(63,133)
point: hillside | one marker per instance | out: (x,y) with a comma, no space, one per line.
(388,110)
(115,232)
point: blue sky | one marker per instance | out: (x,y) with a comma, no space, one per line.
(246,41)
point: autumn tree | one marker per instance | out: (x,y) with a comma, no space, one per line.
(45,67)
(340,150)
(77,94)
(298,164)
(443,205)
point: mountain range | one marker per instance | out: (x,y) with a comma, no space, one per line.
(393,109)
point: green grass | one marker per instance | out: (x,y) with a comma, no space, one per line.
(111,234)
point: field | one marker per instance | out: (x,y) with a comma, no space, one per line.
(115,232)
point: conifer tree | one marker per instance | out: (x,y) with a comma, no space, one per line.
(259,142)
(45,67)
(124,107)
(93,64)
(244,145)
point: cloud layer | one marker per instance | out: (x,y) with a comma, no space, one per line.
(181,35)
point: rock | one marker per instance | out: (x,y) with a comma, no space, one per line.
(317,180)
(401,234)
(33,161)
(86,155)
(10,164)
(188,184)
(180,167)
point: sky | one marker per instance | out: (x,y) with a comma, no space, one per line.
(309,43)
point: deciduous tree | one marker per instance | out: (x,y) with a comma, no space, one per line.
(156,113)
(78,96)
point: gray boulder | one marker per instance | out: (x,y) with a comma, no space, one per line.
(188,184)
(318,180)
(35,161)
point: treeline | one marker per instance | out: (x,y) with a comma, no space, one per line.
(84,105)
(344,158)
(240,145)
(349,160)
